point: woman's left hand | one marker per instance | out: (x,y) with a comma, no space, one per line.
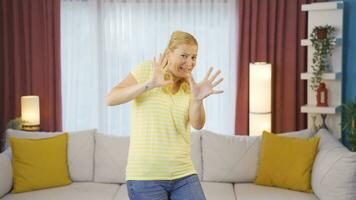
(206,87)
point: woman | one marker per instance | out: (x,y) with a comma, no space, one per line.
(167,101)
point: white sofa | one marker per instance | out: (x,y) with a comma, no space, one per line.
(225,164)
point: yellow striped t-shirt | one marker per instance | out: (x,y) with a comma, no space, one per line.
(160,137)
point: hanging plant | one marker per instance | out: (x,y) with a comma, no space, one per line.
(323,42)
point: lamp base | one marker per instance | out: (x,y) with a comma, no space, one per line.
(31,127)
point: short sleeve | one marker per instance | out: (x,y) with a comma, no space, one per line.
(142,72)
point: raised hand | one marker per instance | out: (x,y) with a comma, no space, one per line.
(206,87)
(157,79)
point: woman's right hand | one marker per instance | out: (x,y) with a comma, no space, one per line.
(157,79)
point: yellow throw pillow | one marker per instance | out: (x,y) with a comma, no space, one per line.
(286,162)
(39,163)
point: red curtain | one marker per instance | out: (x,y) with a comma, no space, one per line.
(271,30)
(30,59)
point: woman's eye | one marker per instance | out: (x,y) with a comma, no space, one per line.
(184,56)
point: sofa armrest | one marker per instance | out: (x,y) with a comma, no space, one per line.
(5,172)
(334,170)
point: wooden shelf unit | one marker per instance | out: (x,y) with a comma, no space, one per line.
(336,76)
(321,14)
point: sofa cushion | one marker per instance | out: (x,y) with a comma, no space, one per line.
(218,191)
(230,158)
(122,193)
(81,155)
(334,170)
(75,191)
(80,151)
(250,191)
(6,173)
(286,162)
(110,158)
(39,163)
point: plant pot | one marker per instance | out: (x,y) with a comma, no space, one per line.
(321,33)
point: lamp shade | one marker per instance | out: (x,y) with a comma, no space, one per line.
(30,110)
(260,97)
(259,123)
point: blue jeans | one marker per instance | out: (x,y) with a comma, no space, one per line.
(186,188)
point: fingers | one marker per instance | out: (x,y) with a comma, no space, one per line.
(213,92)
(191,79)
(214,76)
(208,74)
(218,91)
(163,60)
(161,57)
(155,63)
(217,82)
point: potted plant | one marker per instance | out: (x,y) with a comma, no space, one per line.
(323,42)
(349,123)
(15,124)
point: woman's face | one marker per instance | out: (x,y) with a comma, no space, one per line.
(182,60)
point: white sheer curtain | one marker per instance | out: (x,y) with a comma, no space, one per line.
(101,40)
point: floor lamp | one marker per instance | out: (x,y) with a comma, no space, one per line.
(260,89)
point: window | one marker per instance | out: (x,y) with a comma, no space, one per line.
(101,40)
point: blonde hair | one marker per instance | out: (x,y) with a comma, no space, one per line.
(179,38)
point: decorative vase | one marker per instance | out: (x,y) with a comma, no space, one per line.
(322,95)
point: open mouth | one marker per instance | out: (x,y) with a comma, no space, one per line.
(184,70)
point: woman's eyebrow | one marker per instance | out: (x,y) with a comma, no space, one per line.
(190,54)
